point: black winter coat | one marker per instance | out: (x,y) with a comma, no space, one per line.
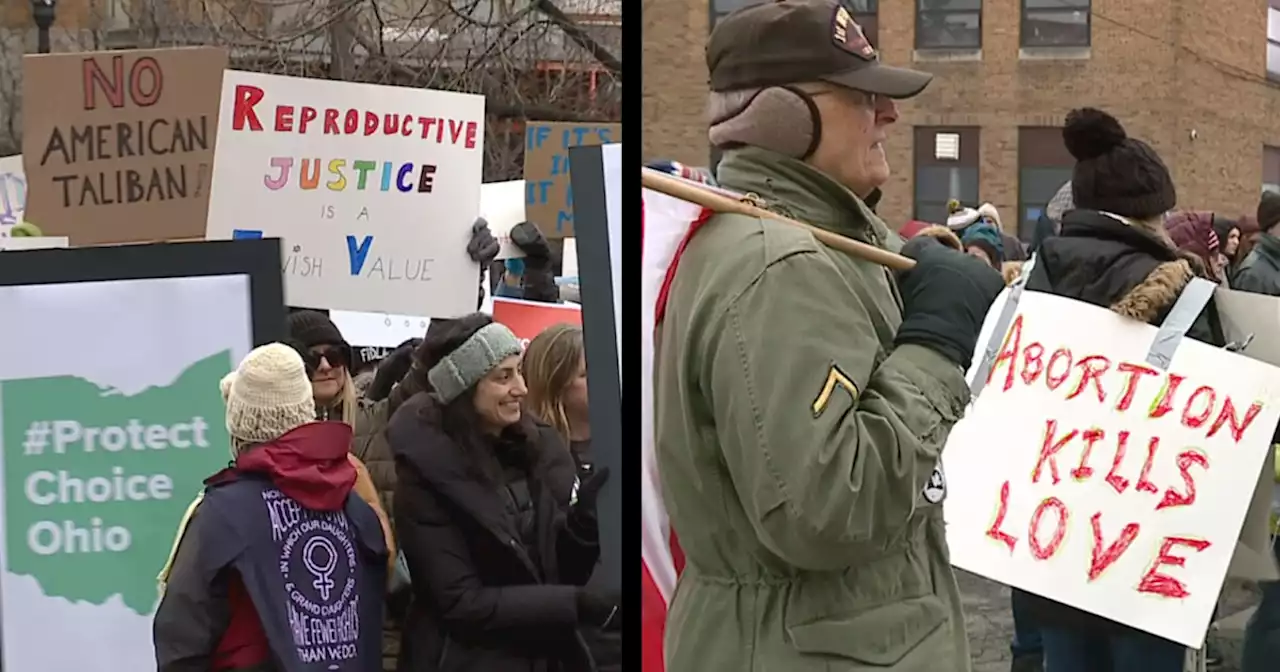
(1100,260)
(1260,271)
(483,600)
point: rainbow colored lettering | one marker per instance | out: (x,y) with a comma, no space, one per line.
(369,175)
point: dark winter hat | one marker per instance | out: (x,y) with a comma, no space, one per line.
(1194,232)
(1268,210)
(987,238)
(312,327)
(1113,172)
(794,41)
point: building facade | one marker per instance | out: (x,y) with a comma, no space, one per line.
(1199,81)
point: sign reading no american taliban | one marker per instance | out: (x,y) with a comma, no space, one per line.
(373,189)
(128,156)
(1089,476)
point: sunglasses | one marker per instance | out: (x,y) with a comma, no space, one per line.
(336,357)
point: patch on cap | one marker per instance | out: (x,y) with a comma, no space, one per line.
(848,35)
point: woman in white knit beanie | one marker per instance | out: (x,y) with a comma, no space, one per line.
(286,465)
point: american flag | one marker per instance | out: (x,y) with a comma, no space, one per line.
(666,224)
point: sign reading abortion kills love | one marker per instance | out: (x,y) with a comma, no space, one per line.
(1086,475)
(549,195)
(118,145)
(373,189)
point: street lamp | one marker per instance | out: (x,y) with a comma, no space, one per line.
(43,11)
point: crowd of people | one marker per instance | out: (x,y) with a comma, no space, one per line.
(812,526)
(448,501)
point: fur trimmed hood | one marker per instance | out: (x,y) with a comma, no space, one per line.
(944,235)
(1158,291)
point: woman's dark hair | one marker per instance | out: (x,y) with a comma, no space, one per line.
(458,419)
(392,369)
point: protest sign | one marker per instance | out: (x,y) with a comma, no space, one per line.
(528,318)
(387,330)
(13,192)
(382,330)
(1089,476)
(373,189)
(549,194)
(101,455)
(11,243)
(597,183)
(502,205)
(128,156)
(569,258)
(1249,321)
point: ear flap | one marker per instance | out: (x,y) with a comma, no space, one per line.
(773,120)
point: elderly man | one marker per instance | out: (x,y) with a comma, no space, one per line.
(803,396)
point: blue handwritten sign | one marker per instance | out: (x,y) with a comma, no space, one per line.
(548,194)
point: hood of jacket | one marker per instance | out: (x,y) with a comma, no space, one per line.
(943,235)
(309,464)
(1104,261)
(795,189)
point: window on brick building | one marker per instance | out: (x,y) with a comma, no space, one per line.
(1055,23)
(946,167)
(948,24)
(1273,41)
(1271,169)
(1044,165)
(864,12)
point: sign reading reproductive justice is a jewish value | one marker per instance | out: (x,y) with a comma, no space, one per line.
(373,189)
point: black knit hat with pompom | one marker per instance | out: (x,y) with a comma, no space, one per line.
(1115,173)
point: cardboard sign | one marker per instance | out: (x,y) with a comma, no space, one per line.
(549,196)
(13,192)
(11,243)
(502,205)
(1086,475)
(373,189)
(128,155)
(528,318)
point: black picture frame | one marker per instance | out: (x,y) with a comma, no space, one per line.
(258,259)
(590,212)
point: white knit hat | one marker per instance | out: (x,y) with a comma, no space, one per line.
(268,395)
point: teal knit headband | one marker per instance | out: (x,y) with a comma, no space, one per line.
(472,360)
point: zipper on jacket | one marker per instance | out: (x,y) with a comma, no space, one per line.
(444,652)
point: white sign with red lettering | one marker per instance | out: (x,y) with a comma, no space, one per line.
(1086,475)
(373,189)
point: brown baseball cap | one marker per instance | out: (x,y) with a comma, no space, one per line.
(793,41)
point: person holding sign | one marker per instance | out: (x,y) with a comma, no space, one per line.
(1113,251)
(800,406)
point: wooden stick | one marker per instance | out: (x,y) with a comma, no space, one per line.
(691,192)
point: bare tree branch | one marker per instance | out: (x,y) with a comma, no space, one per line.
(575,32)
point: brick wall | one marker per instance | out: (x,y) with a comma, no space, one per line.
(1163,68)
